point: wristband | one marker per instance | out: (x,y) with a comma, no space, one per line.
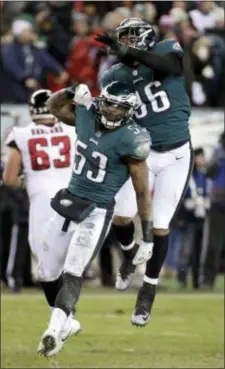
(147,231)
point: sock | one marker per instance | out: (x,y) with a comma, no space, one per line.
(58,320)
(69,293)
(51,290)
(125,237)
(155,264)
(106,259)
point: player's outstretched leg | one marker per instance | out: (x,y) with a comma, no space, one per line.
(147,292)
(60,326)
(125,236)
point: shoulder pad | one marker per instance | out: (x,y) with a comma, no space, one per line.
(168,46)
(109,75)
(136,142)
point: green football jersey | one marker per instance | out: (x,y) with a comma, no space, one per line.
(163,105)
(99,171)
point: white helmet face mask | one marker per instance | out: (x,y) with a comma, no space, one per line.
(116,110)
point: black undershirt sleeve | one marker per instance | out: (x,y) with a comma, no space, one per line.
(169,63)
(13,145)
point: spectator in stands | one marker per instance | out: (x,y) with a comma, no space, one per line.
(208,57)
(57,39)
(210,261)
(195,207)
(83,59)
(203,17)
(24,64)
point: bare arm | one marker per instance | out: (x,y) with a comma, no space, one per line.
(140,177)
(60,105)
(12,168)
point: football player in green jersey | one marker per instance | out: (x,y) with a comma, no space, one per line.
(155,70)
(110,147)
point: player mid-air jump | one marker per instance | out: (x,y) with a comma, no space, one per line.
(155,70)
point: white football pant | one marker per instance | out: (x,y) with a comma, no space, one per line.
(71,251)
(169,174)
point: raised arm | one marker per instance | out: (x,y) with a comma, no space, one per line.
(61,106)
(61,103)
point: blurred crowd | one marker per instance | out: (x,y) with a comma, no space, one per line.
(52,43)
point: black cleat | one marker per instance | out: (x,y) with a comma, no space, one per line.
(126,271)
(145,299)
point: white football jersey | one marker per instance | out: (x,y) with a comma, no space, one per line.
(47,156)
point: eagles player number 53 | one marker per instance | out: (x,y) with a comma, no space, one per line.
(159,100)
(79,165)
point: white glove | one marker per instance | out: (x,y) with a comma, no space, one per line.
(143,254)
(82,95)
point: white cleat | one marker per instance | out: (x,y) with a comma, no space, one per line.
(140,320)
(71,329)
(123,281)
(51,344)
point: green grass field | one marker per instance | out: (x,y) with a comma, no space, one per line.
(186,331)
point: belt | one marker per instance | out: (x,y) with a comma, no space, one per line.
(166,147)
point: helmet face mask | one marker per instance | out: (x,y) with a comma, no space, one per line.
(38,106)
(136,33)
(116,105)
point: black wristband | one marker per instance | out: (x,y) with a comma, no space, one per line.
(70,91)
(147,230)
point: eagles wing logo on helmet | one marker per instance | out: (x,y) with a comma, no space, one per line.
(135,27)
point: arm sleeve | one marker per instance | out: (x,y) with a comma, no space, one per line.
(13,145)
(167,58)
(168,63)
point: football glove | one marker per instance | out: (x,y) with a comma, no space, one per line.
(115,46)
(82,95)
(143,254)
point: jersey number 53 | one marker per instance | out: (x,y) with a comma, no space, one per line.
(80,161)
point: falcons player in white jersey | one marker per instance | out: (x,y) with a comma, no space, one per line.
(44,150)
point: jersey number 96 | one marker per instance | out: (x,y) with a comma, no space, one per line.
(158,99)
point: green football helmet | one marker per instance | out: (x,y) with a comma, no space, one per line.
(116,104)
(136,33)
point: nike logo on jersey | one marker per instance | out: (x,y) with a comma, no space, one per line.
(95,142)
(138,80)
(181,157)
